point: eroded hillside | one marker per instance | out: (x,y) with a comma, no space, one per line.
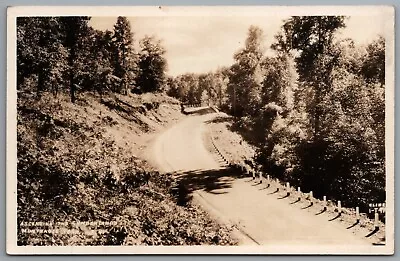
(80,171)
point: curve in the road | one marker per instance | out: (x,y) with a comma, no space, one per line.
(260,217)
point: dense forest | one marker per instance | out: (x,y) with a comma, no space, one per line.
(315,109)
(85,98)
(66,54)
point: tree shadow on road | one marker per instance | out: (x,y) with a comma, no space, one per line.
(212,181)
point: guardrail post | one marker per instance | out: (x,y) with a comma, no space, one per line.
(287,189)
(376,219)
(254,174)
(299,191)
(260,173)
(310,198)
(268,179)
(277,184)
(325,205)
(358,213)
(339,206)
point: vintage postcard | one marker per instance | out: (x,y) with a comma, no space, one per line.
(200,130)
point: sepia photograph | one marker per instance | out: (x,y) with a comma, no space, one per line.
(200,130)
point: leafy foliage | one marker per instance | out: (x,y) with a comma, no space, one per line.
(330,141)
(70,169)
(152,65)
(373,68)
(244,85)
(40,51)
(66,54)
(315,109)
(124,59)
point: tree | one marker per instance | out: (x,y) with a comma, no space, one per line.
(280,81)
(312,37)
(40,52)
(221,77)
(205,98)
(330,141)
(172,87)
(96,61)
(192,85)
(277,95)
(124,58)
(179,87)
(246,75)
(152,65)
(373,68)
(208,88)
(75,29)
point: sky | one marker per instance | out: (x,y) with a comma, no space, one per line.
(201,44)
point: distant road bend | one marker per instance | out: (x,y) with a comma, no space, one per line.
(260,218)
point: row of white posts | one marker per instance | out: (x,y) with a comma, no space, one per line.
(310,197)
(222,156)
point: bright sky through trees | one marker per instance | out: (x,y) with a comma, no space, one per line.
(201,44)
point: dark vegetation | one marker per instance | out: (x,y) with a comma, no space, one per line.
(66,54)
(70,170)
(78,123)
(315,109)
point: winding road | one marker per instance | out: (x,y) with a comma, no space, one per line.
(259,218)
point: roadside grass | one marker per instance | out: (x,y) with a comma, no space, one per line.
(234,147)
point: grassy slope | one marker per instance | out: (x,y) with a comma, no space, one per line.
(232,144)
(78,162)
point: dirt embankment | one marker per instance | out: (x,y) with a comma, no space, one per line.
(231,144)
(80,172)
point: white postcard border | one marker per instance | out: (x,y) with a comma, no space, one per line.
(11,139)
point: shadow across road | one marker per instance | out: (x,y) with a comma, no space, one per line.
(216,181)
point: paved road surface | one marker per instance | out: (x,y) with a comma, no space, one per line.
(261,218)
